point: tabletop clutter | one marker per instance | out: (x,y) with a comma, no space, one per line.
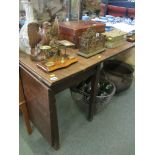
(70,55)
(53,45)
(58,51)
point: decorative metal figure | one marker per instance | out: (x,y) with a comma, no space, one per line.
(91,43)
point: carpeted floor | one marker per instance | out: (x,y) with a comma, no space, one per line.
(110,133)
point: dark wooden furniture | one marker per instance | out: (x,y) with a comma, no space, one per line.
(122,10)
(23,108)
(40,91)
(131,12)
(72,30)
(117,11)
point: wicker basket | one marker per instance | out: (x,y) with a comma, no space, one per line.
(120,73)
(81,97)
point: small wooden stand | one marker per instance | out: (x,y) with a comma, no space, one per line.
(57,65)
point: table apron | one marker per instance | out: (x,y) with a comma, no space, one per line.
(73,80)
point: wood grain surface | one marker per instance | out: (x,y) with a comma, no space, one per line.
(82,25)
(76,68)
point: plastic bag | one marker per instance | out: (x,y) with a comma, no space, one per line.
(23,35)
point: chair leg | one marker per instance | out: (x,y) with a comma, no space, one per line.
(26,117)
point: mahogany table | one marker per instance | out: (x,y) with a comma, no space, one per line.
(40,91)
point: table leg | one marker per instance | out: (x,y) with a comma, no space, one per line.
(94,83)
(54,120)
(24,110)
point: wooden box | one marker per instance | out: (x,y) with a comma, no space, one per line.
(115,38)
(72,30)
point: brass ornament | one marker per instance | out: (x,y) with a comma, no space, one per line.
(91,42)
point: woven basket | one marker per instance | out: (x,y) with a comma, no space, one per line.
(120,73)
(82,98)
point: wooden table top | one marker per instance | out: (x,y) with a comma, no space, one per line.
(82,65)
